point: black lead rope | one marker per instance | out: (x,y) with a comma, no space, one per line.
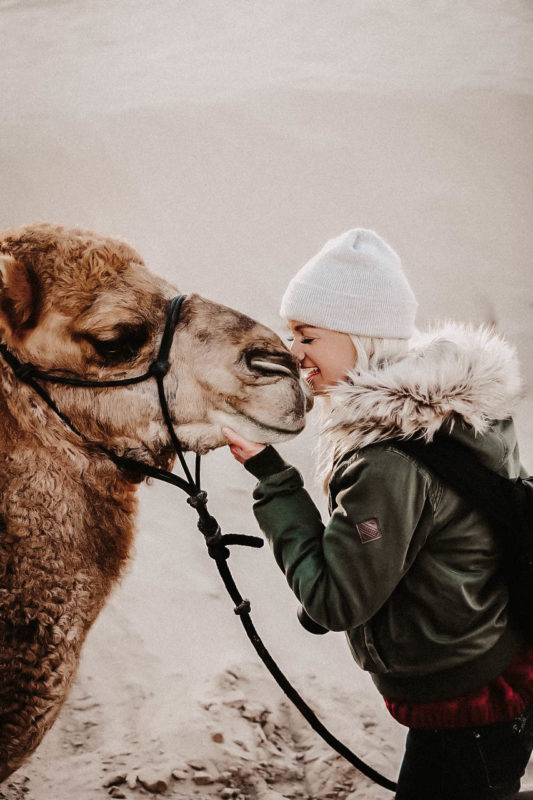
(217,543)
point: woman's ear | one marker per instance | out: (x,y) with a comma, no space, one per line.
(20,297)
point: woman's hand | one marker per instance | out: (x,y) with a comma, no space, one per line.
(241,448)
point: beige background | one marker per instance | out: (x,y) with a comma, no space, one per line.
(227,141)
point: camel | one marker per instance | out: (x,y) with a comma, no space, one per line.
(81,304)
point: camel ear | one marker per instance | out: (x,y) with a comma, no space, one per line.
(19,296)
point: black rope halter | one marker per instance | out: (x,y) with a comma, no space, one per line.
(217,543)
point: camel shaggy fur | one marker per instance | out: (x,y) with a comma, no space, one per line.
(77,303)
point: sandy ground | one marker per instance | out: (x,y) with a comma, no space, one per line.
(227,141)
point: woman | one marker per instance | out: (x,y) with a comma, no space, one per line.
(405,566)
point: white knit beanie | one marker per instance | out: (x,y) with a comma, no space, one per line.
(355,284)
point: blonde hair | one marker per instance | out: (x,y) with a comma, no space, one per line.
(373,354)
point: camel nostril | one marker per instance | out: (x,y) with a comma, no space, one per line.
(270,362)
(263,365)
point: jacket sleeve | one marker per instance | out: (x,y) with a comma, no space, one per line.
(343,572)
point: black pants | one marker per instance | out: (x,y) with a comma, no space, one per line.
(484,763)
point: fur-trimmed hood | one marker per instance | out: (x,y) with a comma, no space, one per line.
(451,374)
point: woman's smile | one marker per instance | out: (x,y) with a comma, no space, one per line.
(311,374)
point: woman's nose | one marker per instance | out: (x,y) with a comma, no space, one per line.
(301,356)
(297,351)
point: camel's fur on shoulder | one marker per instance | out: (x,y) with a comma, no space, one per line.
(83,304)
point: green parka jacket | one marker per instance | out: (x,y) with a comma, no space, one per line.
(405,566)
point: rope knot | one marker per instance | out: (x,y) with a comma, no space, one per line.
(159,368)
(216,547)
(244,607)
(199,499)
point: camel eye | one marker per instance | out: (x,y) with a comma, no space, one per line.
(113,347)
(124,346)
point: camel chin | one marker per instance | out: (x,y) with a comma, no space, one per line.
(203,437)
(253,430)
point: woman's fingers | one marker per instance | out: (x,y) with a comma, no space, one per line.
(242,449)
(233,437)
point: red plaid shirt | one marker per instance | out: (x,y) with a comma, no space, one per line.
(499,701)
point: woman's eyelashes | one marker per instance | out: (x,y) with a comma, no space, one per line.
(306,340)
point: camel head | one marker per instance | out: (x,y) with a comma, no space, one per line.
(80,304)
(234,371)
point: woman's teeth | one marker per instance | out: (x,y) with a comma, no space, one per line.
(312,373)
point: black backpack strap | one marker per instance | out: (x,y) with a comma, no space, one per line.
(497,497)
